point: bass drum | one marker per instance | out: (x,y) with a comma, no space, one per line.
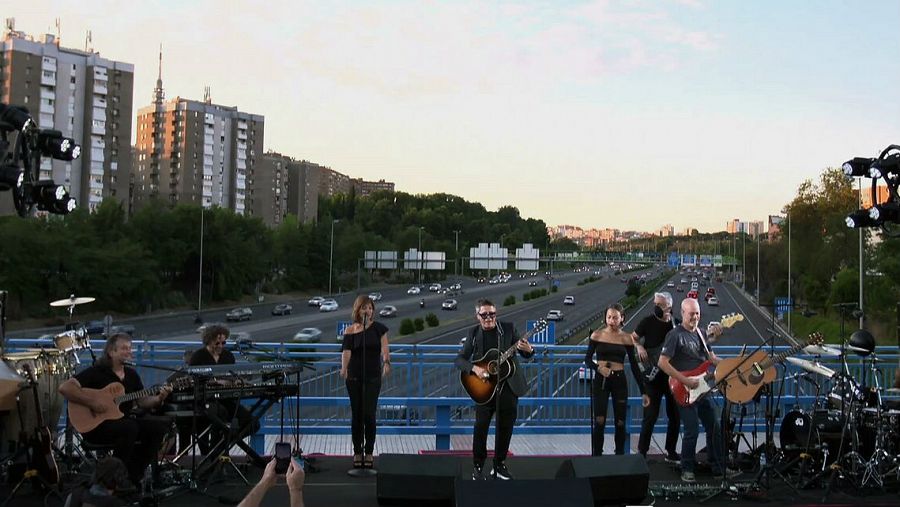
(821,430)
(50,370)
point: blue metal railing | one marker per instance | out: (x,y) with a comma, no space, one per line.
(423,394)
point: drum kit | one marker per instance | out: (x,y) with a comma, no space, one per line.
(42,370)
(850,431)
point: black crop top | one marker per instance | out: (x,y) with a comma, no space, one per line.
(613,353)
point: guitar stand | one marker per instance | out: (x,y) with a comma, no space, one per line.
(32,474)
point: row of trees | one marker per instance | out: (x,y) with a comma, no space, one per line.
(151,260)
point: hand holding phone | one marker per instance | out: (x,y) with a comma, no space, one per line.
(282,457)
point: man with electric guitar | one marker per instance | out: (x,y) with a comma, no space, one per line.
(98,411)
(686,349)
(478,362)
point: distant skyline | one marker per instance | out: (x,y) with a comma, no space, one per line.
(627,115)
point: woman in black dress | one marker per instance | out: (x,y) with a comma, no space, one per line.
(365,358)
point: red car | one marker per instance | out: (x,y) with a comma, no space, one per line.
(693,294)
(710,292)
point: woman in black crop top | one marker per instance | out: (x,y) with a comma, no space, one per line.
(365,358)
(611,344)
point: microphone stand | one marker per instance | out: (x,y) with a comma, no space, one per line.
(363,472)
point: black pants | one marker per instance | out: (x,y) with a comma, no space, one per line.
(616,386)
(230,413)
(506,419)
(136,441)
(656,390)
(363,405)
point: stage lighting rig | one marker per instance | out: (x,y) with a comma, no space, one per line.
(19,167)
(882,214)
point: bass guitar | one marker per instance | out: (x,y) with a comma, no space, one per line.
(498,366)
(84,418)
(742,381)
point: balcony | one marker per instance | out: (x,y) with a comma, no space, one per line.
(48,78)
(100,88)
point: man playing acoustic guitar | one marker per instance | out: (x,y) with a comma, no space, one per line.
(685,349)
(136,440)
(491,334)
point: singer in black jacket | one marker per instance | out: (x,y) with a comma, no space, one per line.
(491,334)
(365,358)
(224,413)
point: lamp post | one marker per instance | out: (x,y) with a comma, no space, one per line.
(200,282)
(331,254)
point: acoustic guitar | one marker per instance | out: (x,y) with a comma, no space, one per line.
(498,366)
(84,419)
(41,445)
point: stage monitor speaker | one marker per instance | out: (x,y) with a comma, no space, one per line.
(524,493)
(412,479)
(614,479)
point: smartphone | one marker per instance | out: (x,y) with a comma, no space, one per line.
(282,457)
(299,462)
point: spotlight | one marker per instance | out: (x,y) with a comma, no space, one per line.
(888,212)
(53,144)
(858,166)
(859,218)
(11,176)
(887,165)
(52,197)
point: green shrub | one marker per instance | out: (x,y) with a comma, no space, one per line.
(526,296)
(509,301)
(432,320)
(420,324)
(552,289)
(407,327)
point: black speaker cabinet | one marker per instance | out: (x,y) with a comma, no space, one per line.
(614,479)
(412,479)
(524,493)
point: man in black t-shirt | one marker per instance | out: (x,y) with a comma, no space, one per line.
(491,334)
(225,413)
(648,337)
(136,440)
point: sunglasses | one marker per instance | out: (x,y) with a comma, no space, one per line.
(487,315)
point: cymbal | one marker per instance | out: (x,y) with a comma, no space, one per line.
(72,301)
(812,367)
(822,350)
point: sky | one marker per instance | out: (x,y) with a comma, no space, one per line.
(622,114)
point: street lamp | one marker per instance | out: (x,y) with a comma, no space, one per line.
(198,318)
(331,254)
(457,253)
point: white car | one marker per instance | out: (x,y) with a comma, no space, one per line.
(413,290)
(713,301)
(434,287)
(449,304)
(555,315)
(329,305)
(569,300)
(375,296)
(308,335)
(316,301)
(670,284)
(388,311)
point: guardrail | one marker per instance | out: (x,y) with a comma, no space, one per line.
(423,394)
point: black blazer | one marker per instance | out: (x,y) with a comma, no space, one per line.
(506,337)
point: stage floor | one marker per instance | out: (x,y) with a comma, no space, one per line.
(331,486)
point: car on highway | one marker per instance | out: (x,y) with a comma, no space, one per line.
(239,337)
(239,314)
(413,290)
(282,309)
(388,311)
(449,304)
(710,292)
(329,305)
(95,327)
(713,301)
(375,296)
(456,286)
(316,301)
(205,325)
(494,281)
(670,284)
(480,279)
(308,335)
(532,283)
(569,300)
(693,294)
(554,315)
(679,289)
(434,287)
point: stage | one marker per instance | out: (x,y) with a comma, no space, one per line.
(331,486)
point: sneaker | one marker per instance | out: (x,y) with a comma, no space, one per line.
(501,472)
(729,473)
(688,476)
(477,473)
(673,457)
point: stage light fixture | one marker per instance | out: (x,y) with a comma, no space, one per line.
(11,176)
(888,212)
(859,166)
(859,218)
(53,144)
(52,197)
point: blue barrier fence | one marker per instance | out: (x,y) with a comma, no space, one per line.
(423,395)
